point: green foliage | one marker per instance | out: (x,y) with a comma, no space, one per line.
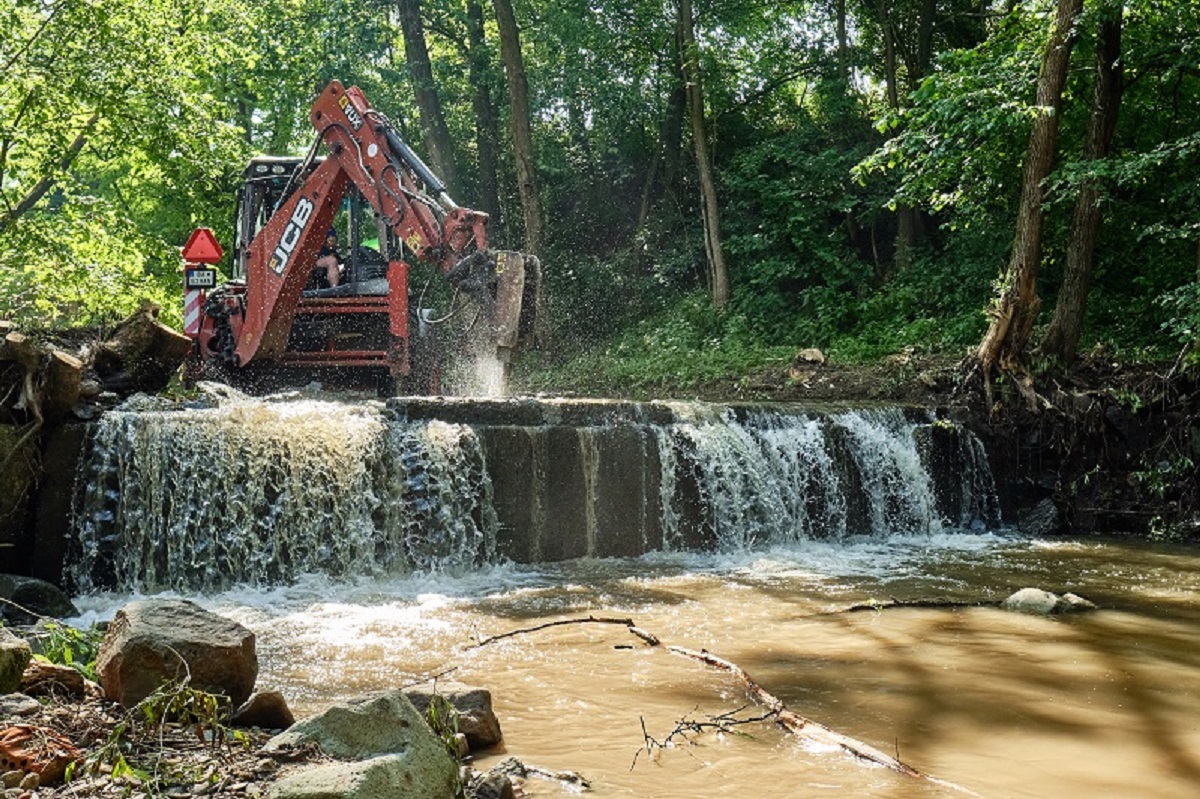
(131,749)
(70,646)
(443,720)
(957,147)
(1183,308)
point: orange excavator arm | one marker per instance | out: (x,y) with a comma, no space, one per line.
(364,149)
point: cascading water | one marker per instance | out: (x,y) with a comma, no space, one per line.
(261,492)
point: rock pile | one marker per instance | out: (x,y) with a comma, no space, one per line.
(378,746)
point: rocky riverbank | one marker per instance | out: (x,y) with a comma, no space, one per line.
(158,722)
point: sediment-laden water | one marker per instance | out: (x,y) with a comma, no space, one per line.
(1102,705)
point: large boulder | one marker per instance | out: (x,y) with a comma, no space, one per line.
(158,640)
(34,598)
(394,752)
(476,719)
(384,777)
(14,657)
(365,727)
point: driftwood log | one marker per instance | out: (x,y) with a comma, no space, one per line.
(37,383)
(142,354)
(808,729)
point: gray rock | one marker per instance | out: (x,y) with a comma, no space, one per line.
(266,709)
(1043,519)
(14,657)
(146,641)
(1032,600)
(476,718)
(397,776)
(490,785)
(366,727)
(38,596)
(394,752)
(1039,602)
(18,705)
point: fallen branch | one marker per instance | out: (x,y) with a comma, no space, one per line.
(807,728)
(649,638)
(25,610)
(793,722)
(936,602)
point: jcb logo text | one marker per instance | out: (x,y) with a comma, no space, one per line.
(291,235)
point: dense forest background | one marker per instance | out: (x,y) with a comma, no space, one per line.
(711,184)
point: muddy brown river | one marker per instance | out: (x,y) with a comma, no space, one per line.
(1104,704)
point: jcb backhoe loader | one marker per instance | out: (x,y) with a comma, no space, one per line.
(396,217)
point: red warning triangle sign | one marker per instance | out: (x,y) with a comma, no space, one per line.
(202,247)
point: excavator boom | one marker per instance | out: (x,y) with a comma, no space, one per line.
(256,320)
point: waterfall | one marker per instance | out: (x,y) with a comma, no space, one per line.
(255,492)
(261,491)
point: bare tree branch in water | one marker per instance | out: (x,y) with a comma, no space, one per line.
(776,710)
(687,727)
(807,728)
(649,638)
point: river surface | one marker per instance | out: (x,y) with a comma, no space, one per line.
(1104,704)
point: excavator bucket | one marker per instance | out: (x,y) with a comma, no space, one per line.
(518,282)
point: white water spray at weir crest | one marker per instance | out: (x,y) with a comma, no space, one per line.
(259,492)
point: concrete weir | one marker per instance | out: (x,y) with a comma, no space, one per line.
(260,491)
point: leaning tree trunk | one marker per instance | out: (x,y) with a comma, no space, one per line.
(433,122)
(518,91)
(1062,337)
(664,171)
(487,129)
(718,274)
(1015,308)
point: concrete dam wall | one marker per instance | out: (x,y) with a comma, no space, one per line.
(260,491)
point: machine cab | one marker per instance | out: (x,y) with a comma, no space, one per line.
(364,245)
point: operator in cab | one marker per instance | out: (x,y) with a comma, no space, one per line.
(328,271)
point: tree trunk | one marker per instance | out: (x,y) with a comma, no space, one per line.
(1062,337)
(487,129)
(664,171)
(843,43)
(718,275)
(438,143)
(906,223)
(518,91)
(1016,307)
